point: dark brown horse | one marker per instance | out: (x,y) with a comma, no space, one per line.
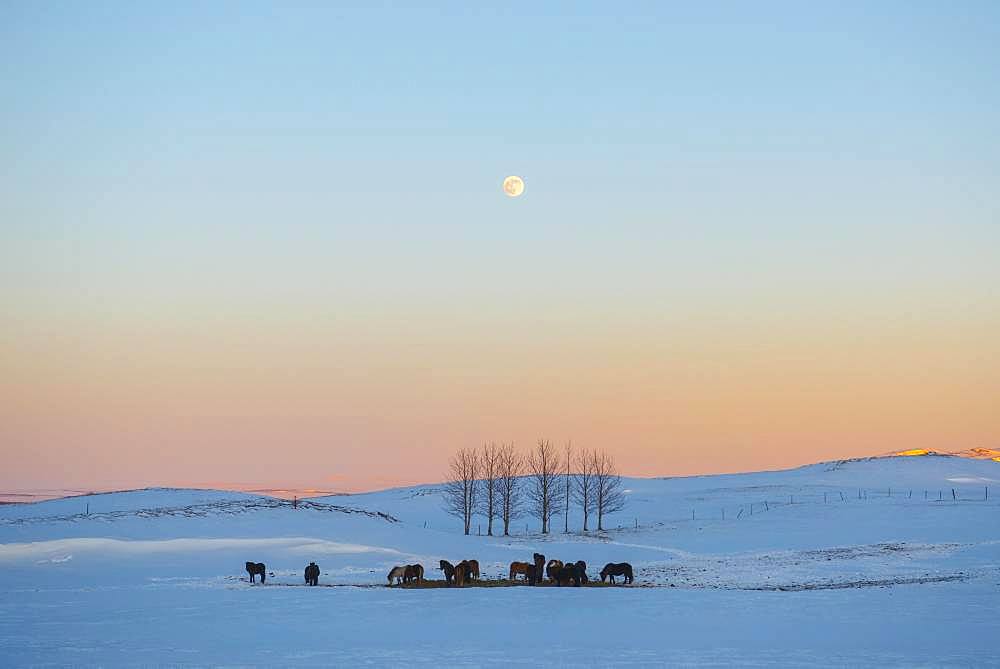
(473,566)
(575,572)
(413,572)
(613,569)
(448,569)
(461,573)
(257,569)
(552,567)
(312,574)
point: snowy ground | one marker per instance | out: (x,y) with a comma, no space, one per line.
(856,563)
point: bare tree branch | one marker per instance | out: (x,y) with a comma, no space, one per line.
(460,491)
(567,495)
(544,493)
(510,467)
(584,485)
(607,487)
(490,497)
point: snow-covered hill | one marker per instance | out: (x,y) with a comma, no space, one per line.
(834,563)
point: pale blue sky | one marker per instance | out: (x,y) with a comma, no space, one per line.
(175,147)
(178,120)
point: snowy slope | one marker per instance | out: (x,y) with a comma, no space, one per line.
(830,564)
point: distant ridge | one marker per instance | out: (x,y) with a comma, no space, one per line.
(33,497)
(970,453)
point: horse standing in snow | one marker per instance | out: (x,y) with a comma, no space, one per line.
(520,568)
(461,573)
(414,572)
(398,573)
(312,574)
(256,568)
(539,573)
(612,569)
(448,569)
(473,568)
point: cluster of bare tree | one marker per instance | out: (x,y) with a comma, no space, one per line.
(501,484)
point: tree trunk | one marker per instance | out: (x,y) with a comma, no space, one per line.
(490,510)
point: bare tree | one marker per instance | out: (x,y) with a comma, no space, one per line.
(608,495)
(461,489)
(544,491)
(584,485)
(489,497)
(510,466)
(568,460)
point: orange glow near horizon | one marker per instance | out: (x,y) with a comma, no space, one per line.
(351,411)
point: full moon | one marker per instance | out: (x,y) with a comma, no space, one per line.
(513,186)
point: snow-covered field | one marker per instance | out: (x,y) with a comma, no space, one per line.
(855,563)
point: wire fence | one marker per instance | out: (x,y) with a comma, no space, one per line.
(738,511)
(732,511)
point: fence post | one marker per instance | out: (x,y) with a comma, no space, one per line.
(911,495)
(953,496)
(637,523)
(939,495)
(724,508)
(766,507)
(824,498)
(841,496)
(751,508)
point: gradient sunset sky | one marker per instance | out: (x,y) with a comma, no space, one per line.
(252,245)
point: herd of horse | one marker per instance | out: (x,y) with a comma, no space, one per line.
(558,572)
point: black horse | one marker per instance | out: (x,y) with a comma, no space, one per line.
(255,568)
(582,568)
(612,569)
(448,569)
(312,574)
(535,577)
